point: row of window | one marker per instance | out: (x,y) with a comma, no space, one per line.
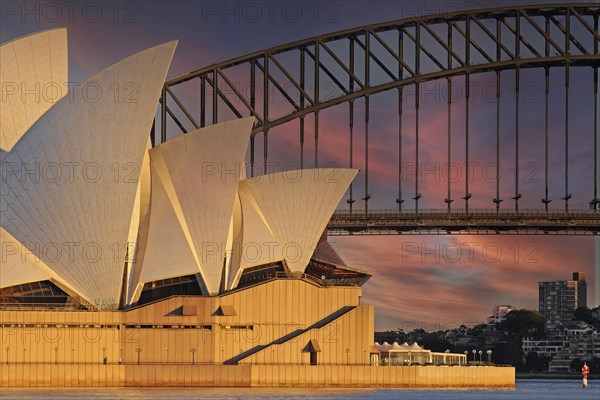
(59,326)
(208,327)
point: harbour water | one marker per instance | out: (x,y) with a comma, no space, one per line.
(525,390)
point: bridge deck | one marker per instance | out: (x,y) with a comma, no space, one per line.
(476,221)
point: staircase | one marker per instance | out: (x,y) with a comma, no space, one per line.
(317,325)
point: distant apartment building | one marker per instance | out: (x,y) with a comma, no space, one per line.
(576,339)
(558,299)
(547,347)
(581,341)
(498,314)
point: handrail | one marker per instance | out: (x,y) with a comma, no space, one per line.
(480,221)
(471,211)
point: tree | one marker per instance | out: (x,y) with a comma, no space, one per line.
(596,311)
(478,330)
(433,342)
(535,362)
(417,334)
(517,325)
(583,314)
(523,323)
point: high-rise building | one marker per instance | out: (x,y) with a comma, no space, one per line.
(558,299)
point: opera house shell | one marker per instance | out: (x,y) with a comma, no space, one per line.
(90,207)
(96,222)
(127,264)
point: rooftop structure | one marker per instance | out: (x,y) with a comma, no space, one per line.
(498,314)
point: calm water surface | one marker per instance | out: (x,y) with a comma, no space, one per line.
(525,390)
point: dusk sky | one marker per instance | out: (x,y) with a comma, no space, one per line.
(418,281)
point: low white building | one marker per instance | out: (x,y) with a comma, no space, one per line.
(405,354)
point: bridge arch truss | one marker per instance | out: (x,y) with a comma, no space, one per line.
(360,62)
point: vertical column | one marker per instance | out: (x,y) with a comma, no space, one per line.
(467,101)
(596,139)
(595,200)
(253,104)
(545,200)
(367,195)
(597,172)
(448,200)
(417,194)
(399,200)
(266,114)
(317,139)
(367,83)
(351,200)
(567,68)
(517,101)
(302,85)
(316,102)
(215,116)
(417,101)
(203,101)
(498,200)
(596,164)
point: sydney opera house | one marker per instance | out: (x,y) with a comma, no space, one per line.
(127,264)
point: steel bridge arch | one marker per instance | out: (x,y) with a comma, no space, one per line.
(525,36)
(528,13)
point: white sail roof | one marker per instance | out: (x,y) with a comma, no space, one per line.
(296,206)
(200,173)
(254,243)
(89,147)
(33,77)
(94,206)
(18,265)
(167,253)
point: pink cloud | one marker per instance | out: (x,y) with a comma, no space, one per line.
(454,279)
